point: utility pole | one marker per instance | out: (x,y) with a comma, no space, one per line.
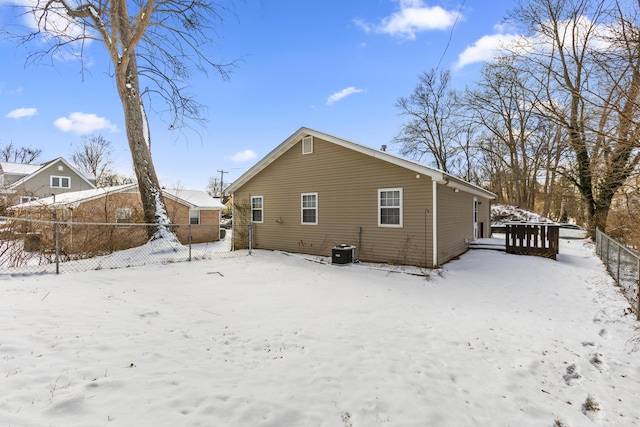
(222,172)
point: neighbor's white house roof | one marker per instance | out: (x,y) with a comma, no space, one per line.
(192,198)
(437,175)
(18,168)
(73,198)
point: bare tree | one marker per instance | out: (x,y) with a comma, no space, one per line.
(432,122)
(94,156)
(587,58)
(159,42)
(24,155)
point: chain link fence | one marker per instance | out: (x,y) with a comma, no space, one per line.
(29,246)
(624,266)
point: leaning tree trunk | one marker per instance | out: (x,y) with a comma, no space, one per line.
(154,208)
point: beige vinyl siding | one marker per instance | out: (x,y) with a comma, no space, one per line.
(347,184)
(455,222)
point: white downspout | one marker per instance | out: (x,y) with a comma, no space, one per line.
(435,222)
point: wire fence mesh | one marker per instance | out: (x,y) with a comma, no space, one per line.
(29,246)
(624,266)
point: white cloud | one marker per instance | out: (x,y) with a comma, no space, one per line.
(83,123)
(343,94)
(19,113)
(242,156)
(485,49)
(412,18)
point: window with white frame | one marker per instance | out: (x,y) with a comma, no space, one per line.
(27,199)
(390,207)
(123,216)
(60,182)
(309,205)
(194,216)
(307,145)
(257,209)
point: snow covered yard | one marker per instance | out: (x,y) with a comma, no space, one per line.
(278,340)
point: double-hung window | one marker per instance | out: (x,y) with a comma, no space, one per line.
(390,207)
(309,206)
(194,216)
(60,182)
(257,209)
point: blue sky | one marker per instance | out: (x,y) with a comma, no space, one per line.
(334,66)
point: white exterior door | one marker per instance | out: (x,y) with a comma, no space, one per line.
(475,218)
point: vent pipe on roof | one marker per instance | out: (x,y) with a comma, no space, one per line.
(384,147)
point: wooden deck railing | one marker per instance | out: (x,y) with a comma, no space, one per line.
(540,239)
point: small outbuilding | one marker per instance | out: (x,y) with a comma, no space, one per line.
(315,192)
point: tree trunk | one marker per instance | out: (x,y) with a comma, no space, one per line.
(153,205)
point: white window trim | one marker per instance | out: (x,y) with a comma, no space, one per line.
(27,199)
(60,178)
(381,190)
(302,208)
(123,215)
(307,145)
(261,209)
(191,211)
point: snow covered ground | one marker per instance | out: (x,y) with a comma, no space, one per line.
(279,340)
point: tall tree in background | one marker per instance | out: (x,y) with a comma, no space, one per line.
(432,122)
(157,41)
(587,58)
(94,156)
(24,155)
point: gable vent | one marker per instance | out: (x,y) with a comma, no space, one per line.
(307,145)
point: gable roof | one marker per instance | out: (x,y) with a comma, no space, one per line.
(435,174)
(43,167)
(190,198)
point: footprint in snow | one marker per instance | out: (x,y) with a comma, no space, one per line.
(598,361)
(573,375)
(604,334)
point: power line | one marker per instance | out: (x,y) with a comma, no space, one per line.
(451,34)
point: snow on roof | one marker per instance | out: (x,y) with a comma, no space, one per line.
(19,168)
(72,198)
(195,198)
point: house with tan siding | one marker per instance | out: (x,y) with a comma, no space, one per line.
(315,191)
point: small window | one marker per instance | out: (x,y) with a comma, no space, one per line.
(309,203)
(194,216)
(60,182)
(60,168)
(27,199)
(123,216)
(257,209)
(390,207)
(307,145)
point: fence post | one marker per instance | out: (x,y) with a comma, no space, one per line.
(618,266)
(189,240)
(57,240)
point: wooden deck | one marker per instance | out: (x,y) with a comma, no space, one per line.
(522,238)
(539,239)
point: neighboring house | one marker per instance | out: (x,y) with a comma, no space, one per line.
(315,191)
(196,214)
(21,183)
